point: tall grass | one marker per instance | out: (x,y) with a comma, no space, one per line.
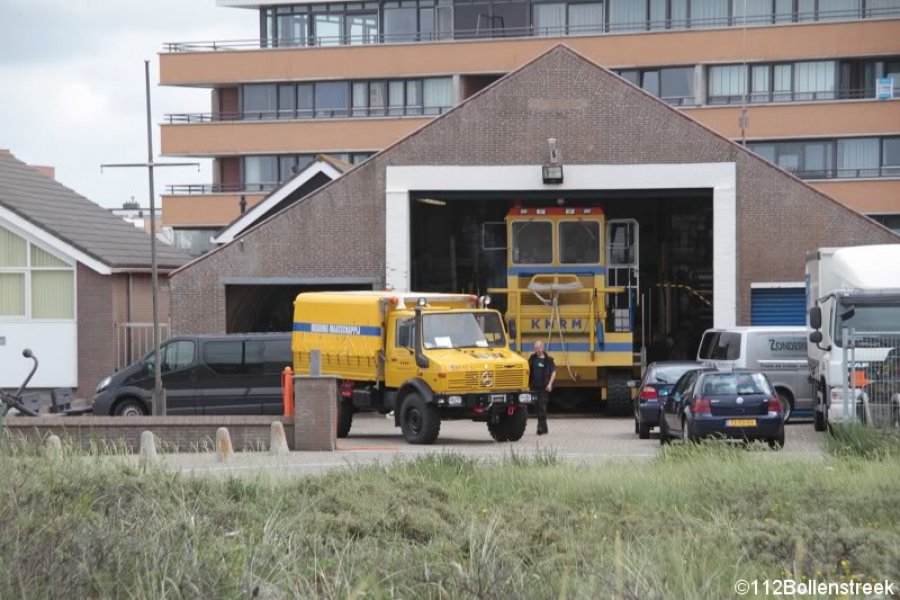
(687,525)
(855,440)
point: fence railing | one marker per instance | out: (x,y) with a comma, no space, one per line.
(791,96)
(871,361)
(217,188)
(306,113)
(134,340)
(860,173)
(536,30)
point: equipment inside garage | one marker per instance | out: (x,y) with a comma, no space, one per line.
(459,243)
(264,308)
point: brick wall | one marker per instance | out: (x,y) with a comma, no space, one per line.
(184,434)
(597,117)
(96,342)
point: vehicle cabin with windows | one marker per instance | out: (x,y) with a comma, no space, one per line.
(572,280)
(427,357)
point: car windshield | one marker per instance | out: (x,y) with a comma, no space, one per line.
(732,384)
(669,374)
(463,330)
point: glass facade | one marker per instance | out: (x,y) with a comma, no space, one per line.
(675,85)
(340,99)
(403,21)
(843,158)
(263,172)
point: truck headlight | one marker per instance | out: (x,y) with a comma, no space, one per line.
(455,400)
(837,395)
(104,384)
(525,398)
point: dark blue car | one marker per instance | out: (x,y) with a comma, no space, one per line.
(738,404)
(652,389)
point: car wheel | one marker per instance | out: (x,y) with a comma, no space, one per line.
(777,443)
(686,436)
(663,431)
(130,407)
(420,422)
(345,418)
(787,404)
(643,430)
(637,426)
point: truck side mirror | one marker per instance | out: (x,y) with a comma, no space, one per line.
(815,318)
(816,337)
(421,360)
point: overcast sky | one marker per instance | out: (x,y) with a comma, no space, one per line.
(72,86)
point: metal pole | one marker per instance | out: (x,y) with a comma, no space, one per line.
(159,395)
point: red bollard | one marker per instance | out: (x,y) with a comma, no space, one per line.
(287,391)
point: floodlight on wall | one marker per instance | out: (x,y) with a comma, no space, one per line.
(553,172)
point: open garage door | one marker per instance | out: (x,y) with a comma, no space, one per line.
(260,307)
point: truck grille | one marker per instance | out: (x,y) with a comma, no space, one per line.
(503,379)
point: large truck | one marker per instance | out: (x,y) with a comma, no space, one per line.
(427,357)
(853,300)
(572,282)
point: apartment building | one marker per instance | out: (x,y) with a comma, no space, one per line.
(811,85)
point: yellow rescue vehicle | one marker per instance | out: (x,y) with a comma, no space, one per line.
(426,357)
(572,281)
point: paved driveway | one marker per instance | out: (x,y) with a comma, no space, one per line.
(374,438)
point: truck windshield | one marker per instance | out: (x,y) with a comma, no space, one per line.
(463,330)
(867,318)
(532,242)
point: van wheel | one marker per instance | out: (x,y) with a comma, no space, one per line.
(130,407)
(345,418)
(419,421)
(787,403)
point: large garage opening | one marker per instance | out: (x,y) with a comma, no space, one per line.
(458,243)
(265,308)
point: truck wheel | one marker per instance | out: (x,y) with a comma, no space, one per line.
(497,427)
(618,395)
(419,421)
(516,424)
(820,421)
(130,407)
(345,418)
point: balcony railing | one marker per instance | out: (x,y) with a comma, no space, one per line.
(790,96)
(306,114)
(861,173)
(218,188)
(535,31)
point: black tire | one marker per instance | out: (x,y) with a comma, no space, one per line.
(637,428)
(643,431)
(618,395)
(820,420)
(344,418)
(787,403)
(130,407)
(516,424)
(663,430)
(777,443)
(497,427)
(419,421)
(686,434)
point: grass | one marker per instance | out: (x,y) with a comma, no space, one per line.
(865,442)
(687,525)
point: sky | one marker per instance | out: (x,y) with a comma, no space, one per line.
(72,87)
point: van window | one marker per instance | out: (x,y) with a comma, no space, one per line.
(225,358)
(254,356)
(277,355)
(727,347)
(709,341)
(177,355)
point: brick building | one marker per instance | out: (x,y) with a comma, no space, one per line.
(74,283)
(714,218)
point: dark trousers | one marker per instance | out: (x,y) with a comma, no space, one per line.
(540,405)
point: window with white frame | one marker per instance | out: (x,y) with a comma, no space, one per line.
(34,284)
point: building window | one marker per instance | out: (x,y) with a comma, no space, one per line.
(263,173)
(709,13)
(627,15)
(674,85)
(585,18)
(892,222)
(34,284)
(549,19)
(437,95)
(400,22)
(259,102)
(194,242)
(844,158)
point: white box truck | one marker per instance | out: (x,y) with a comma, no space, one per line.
(855,292)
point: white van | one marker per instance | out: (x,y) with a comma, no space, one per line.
(779,352)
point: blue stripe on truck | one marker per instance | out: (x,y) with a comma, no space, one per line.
(337,329)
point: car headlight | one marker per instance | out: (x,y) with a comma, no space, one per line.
(524,398)
(455,400)
(104,384)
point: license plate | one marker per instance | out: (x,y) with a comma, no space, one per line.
(495,398)
(740,423)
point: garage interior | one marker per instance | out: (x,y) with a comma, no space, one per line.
(458,243)
(269,308)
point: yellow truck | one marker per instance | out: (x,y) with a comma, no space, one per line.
(427,357)
(572,282)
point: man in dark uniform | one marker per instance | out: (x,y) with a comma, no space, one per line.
(541,375)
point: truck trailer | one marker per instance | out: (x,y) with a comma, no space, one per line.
(853,308)
(427,357)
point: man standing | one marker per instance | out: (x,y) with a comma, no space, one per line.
(542,374)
